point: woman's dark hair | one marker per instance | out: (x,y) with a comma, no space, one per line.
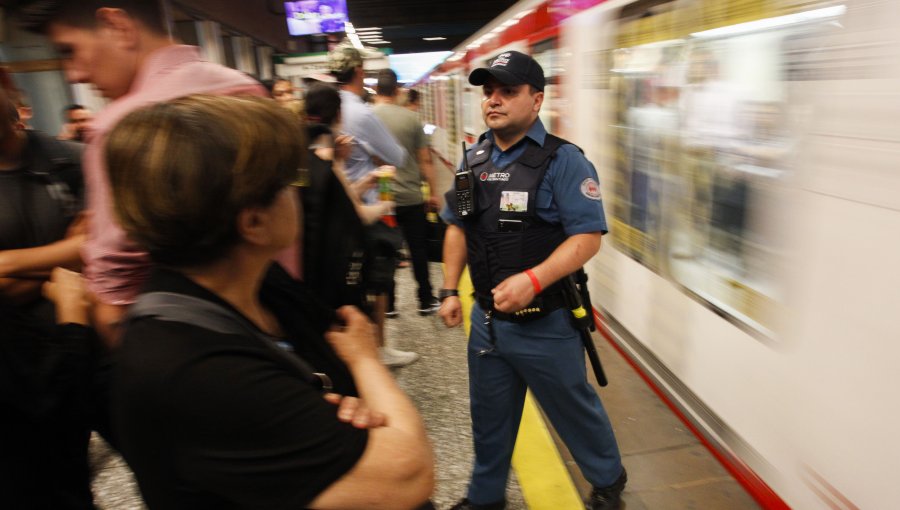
(181,172)
(323,108)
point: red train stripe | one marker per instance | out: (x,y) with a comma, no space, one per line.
(752,483)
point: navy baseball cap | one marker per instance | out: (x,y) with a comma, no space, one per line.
(510,68)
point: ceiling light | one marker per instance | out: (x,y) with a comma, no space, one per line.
(434,38)
(368,29)
(379,42)
(354,39)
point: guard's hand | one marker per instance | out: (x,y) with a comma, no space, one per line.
(355,340)
(354,411)
(451,311)
(513,293)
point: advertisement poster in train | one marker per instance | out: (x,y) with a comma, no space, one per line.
(702,142)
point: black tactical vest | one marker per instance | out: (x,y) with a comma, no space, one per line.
(505,236)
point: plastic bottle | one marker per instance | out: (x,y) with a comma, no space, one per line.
(386,194)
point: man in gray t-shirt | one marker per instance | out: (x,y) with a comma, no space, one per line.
(410,210)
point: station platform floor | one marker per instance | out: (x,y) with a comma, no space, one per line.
(668,468)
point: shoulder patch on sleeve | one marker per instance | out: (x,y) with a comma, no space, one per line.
(591,189)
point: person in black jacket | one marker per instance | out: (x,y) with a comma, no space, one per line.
(47,369)
(349,255)
(334,247)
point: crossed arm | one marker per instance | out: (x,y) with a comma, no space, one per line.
(23,271)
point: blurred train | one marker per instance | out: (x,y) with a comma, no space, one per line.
(748,155)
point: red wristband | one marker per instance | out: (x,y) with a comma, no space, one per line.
(534,281)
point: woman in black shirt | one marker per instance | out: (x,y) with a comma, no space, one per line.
(215,417)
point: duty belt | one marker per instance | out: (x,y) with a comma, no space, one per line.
(542,306)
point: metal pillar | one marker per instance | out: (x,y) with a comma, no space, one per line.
(264,60)
(244,59)
(209,38)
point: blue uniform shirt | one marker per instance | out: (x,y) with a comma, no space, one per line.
(568,195)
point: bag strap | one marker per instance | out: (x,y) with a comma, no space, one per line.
(172,307)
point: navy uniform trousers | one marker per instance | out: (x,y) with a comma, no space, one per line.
(547,356)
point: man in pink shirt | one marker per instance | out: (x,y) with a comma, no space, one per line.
(123,48)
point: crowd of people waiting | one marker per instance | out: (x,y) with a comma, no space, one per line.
(138,293)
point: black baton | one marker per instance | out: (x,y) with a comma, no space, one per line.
(583,322)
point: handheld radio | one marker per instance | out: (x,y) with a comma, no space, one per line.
(463,181)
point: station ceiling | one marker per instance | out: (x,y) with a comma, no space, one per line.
(403,22)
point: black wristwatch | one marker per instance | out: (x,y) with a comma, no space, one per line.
(445,293)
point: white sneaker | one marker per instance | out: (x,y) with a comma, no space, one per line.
(396,358)
(430,308)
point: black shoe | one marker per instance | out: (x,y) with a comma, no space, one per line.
(427,308)
(608,498)
(465,504)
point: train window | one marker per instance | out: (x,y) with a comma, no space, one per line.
(702,142)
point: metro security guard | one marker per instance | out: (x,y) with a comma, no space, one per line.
(537,217)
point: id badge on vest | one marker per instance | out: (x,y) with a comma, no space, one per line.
(512,202)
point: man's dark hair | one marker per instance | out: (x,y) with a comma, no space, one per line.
(344,77)
(387,83)
(37,15)
(412,97)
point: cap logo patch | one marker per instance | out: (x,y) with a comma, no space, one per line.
(590,189)
(501,60)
